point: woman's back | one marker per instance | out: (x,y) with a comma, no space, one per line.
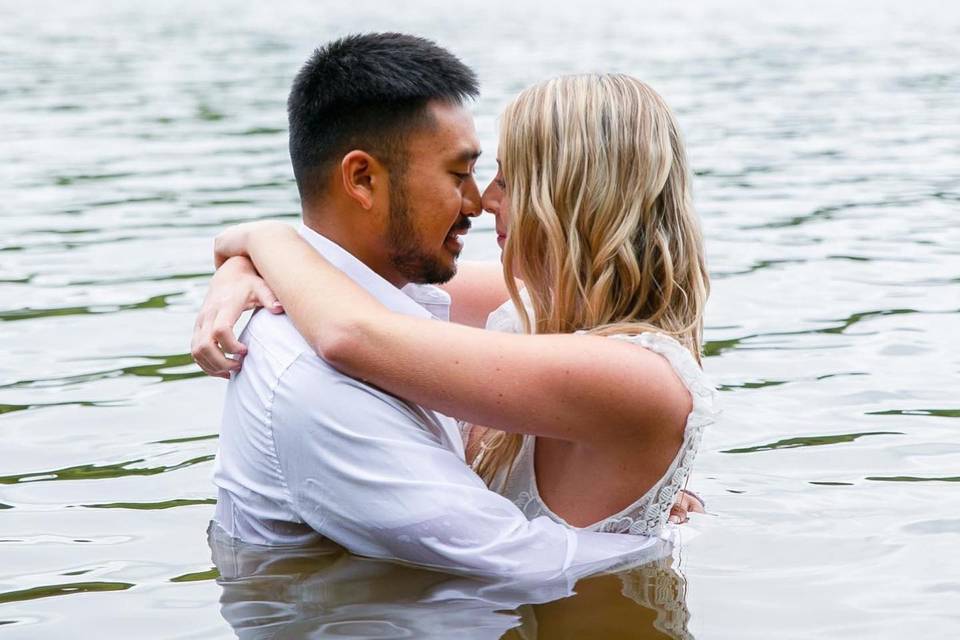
(624,489)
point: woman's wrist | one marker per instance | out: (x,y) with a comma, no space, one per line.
(238,239)
(262,236)
(237,266)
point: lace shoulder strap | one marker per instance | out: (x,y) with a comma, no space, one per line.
(703,413)
(702,391)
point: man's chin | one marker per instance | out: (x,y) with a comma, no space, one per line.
(433,270)
(440,274)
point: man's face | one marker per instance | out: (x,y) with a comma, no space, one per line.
(432,202)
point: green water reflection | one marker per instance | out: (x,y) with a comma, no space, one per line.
(152,506)
(156,370)
(198,576)
(154,302)
(811,441)
(912,479)
(939,413)
(100,472)
(10,408)
(53,590)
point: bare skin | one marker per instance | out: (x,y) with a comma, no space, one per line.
(600,408)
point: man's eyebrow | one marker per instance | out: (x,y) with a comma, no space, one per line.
(468,155)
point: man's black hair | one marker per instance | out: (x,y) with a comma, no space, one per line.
(367,92)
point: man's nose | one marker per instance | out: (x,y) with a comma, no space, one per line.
(489,201)
(472,202)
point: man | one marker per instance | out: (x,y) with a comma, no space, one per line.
(383,151)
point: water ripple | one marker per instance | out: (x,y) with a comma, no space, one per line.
(55,590)
(100,472)
(822,137)
(812,441)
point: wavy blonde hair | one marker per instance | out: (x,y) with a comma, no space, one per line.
(603,232)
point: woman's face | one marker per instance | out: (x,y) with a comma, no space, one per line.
(496,202)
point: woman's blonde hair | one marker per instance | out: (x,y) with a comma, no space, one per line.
(603,231)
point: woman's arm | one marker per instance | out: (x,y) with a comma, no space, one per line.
(475,292)
(571,387)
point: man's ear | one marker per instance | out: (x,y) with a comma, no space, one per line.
(363,176)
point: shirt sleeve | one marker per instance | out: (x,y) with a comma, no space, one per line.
(370,472)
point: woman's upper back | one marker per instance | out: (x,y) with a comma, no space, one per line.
(654,494)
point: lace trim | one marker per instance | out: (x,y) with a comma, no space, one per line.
(703,413)
(648,515)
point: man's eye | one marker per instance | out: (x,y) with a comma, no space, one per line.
(462,176)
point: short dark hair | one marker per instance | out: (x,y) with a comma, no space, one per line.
(367,92)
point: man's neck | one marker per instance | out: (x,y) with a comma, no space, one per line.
(350,240)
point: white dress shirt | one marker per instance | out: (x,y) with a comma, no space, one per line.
(308,453)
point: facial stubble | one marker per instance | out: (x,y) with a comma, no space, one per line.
(407,253)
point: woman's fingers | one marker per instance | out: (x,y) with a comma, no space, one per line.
(692,502)
(212,340)
(678,514)
(235,288)
(224,338)
(687,502)
(266,298)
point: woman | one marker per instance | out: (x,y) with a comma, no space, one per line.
(594,215)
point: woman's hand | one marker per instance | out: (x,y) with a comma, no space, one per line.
(235,287)
(687,502)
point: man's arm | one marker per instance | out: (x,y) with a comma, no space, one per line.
(363,470)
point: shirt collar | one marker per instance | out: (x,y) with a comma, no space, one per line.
(412,300)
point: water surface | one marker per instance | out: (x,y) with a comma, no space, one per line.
(825,139)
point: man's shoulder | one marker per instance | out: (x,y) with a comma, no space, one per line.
(296,375)
(274,338)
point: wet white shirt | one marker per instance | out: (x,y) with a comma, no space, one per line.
(308,453)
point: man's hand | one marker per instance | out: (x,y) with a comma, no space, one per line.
(235,287)
(687,503)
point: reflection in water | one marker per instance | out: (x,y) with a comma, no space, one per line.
(321,591)
(100,472)
(643,603)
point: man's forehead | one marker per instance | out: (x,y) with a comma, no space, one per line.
(453,132)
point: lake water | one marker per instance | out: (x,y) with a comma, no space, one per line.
(826,143)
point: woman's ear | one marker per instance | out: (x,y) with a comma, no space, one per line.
(362,175)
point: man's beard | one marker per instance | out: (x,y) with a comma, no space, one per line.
(407,254)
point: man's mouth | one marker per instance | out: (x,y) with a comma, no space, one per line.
(460,228)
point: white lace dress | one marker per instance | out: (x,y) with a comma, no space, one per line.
(648,514)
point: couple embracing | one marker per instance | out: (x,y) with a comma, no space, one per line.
(512,421)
